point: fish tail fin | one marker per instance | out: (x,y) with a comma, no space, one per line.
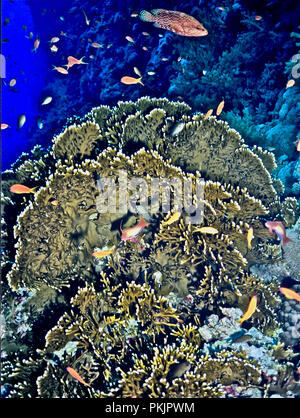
(33,189)
(146,16)
(82,61)
(140,81)
(286,240)
(143,223)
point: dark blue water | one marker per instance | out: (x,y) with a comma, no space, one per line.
(257,69)
(32,71)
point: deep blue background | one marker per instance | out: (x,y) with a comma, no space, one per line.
(31,70)
(99,81)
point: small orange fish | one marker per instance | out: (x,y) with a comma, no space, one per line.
(54,40)
(145,48)
(54,48)
(208,114)
(280,231)
(207,230)
(20,189)
(96,45)
(131,80)
(105,253)
(72,61)
(77,376)
(4,126)
(172,219)
(257,17)
(290,83)
(290,294)
(129,39)
(12,82)
(250,311)
(131,233)
(298,146)
(60,70)
(220,108)
(146,34)
(54,202)
(36,45)
(177,22)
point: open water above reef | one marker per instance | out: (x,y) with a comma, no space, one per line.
(88,310)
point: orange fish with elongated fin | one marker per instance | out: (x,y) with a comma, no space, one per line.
(290,294)
(72,61)
(131,80)
(279,228)
(129,234)
(20,189)
(76,376)
(174,21)
(250,310)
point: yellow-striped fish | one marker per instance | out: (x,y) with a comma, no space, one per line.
(250,236)
(172,219)
(250,310)
(104,253)
(207,230)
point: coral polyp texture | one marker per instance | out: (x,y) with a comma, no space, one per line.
(130,315)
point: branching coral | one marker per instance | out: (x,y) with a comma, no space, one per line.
(150,362)
(129,337)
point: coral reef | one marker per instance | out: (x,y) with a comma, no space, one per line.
(131,323)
